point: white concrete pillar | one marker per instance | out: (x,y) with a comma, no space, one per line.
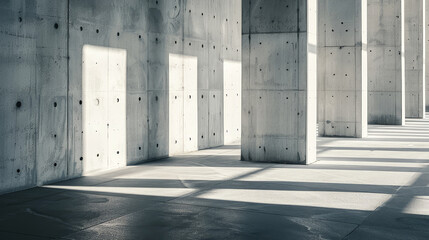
(386,102)
(426,24)
(342,78)
(279,81)
(413,58)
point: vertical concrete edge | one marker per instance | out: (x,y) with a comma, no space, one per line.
(311,121)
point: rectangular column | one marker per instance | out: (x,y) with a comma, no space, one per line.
(426,24)
(413,58)
(386,102)
(342,79)
(279,81)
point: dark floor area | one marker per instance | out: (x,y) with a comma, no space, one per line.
(373,188)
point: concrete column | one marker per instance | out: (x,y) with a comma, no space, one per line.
(413,58)
(386,102)
(426,24)
(279,81)
(342,79)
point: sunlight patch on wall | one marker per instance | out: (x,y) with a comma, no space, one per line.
(232,101)
(104,107)
(183,105)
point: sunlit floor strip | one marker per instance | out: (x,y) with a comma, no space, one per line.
(160,192)
(331,199)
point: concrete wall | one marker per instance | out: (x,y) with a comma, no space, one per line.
(386,101)
(279,87)
(342,79)
(33,104)
(414,57)
(43,128)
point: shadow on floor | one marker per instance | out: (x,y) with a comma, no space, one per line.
(374,188)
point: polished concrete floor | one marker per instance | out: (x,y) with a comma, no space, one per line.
(374,188)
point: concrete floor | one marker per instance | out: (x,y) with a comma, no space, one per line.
(375,188)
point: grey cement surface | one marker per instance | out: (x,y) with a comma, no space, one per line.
(341,66)
(278,82)
(42,128)
(426,31)
(386,92)
(373,188)
(413,64)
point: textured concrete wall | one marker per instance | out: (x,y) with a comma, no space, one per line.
(117,25)
(33,104)
(278,113)
(413,63)
(211,33)
(42,96)
(386,99)
(342,80)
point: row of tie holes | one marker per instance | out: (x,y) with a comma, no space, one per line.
(202,96)
(56,26)
(202,137)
